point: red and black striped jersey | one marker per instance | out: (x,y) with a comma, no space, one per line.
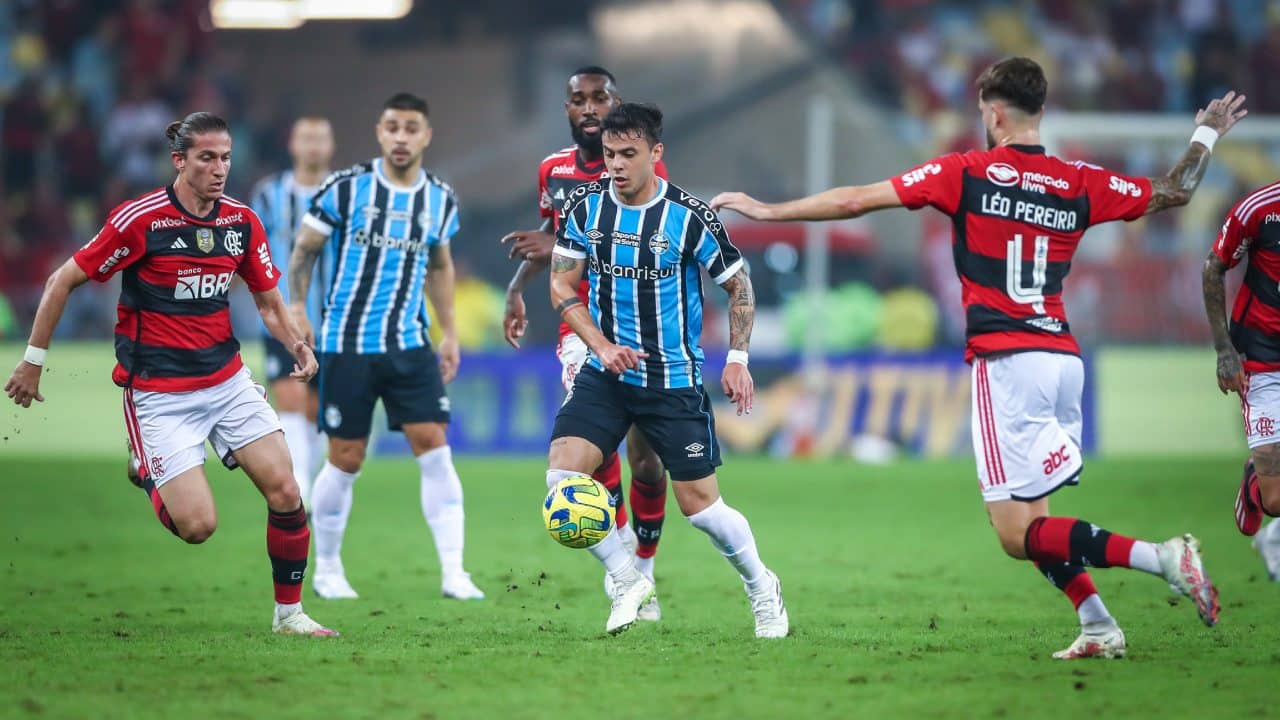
(1017,216)
(173,326)
(558,175)
(1252,230)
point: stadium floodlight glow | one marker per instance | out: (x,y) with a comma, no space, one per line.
(355,10)
(257,14)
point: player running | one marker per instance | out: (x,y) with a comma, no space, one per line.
(281,200)
(177,249)
(592,92)
(640,241)
(384,227)
(1019,215)
(1252,230)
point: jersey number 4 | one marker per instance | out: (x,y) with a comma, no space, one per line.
(1032,294)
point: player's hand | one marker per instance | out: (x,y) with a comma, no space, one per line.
(514,322)
(617,359)
(740,203)
(1222,114)
(1231,377)
(532,245)
(299,313)
(738,386)
(24,384)
(450,358)
(305,365)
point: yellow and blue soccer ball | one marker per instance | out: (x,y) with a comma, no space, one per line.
(578,512)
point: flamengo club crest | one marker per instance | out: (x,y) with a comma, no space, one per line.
(204,239)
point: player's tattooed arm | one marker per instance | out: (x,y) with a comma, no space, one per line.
(302,262)
(1230,372)
(742,309)
(1180,184)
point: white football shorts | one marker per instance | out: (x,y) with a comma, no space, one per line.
(573,354)
(167,430)
(1027,423)
(1261,407)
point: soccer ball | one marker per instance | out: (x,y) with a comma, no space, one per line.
(578,512)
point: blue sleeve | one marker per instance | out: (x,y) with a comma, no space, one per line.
(570,240)
(448,221)
(325,214)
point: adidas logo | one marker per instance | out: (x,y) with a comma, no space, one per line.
(178,244)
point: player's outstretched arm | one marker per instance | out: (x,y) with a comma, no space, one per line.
(440,282)
(566,274)
(1180,184)
(302,262)
(24,383)
(736,381)
(514,320)
(276,316)
(1230,372)
(834,204)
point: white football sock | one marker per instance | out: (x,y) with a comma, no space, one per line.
(442,507)
(284,610)
(1145,557)
(1093,614)
(297,435)
(645,565)
(555,476)
(319,448)
(616,558)
(331,507)
(628,535)
(731,534)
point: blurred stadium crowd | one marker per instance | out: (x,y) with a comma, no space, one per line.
(87,86)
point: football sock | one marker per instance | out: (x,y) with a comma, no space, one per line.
(1076,542)
(731,534)
(319,449)
(442,507)
(645,565)
(157,504)
(297,435)
(331,499)
(615,557)
(555,476)
(609,474)
(288,539)
(1076,584)
(284,610)
(648,511)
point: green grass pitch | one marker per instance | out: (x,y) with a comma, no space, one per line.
(901,604)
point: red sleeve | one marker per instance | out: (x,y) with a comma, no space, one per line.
(661,170)
(1232,242)
(259,273)
(937,183)
(546,206)
(1113,196)
(111,251)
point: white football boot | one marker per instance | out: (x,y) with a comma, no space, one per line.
(770,611)
(299,623)
(1106,644)
(628,596)
(330,581)
(458,586)
(1184,571)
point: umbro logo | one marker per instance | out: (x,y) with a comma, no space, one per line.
(594,235)
(178,244)
(695,449)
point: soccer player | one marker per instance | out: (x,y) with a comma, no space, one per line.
(591,93)
(281,200)
(1252,230)
(640,241)
(385,227)
(177,249)
(1018,216)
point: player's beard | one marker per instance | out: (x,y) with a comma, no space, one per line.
(593,144)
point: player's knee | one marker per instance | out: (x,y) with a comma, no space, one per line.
(348,457)
(284,494)
(197,529)
(693,498)
(1014,545)
(646,470)
(1269,489)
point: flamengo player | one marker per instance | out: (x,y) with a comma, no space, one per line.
(591,94)
(1018,216)
(1252,230)
(178,248)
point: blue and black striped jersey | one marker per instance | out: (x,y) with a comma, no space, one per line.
(379,240)
(643,267)
(281,202)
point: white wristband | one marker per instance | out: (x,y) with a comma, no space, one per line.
(1206,136)
(736,357)
(35,355)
